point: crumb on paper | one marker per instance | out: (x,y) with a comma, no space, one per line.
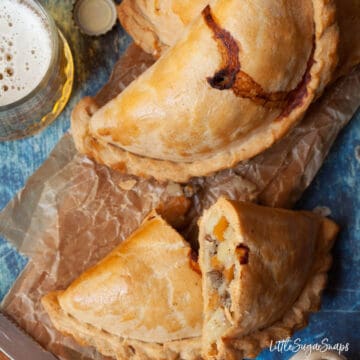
(127,184)
(174,189)
(322,210)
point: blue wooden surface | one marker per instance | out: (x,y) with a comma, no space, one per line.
(336,187)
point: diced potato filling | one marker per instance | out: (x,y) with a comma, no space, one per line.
(226,252)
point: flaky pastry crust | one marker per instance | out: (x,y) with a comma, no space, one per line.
(114,346)
(205,106)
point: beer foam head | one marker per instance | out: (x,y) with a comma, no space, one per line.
(25,50)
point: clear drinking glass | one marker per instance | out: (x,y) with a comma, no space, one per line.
(43,104)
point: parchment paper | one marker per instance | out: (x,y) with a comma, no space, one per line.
(72,211)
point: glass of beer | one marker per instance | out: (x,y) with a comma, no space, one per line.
(36,69)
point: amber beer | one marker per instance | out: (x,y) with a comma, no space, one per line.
(36,69)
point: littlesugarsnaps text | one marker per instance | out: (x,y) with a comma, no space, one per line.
(296,345)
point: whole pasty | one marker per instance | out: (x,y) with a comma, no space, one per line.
(242,75)
(156,25)
(142,301)
(256,263)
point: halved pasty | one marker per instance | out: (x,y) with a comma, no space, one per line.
(257,264)
(263,272)
(142,301)
(241,76)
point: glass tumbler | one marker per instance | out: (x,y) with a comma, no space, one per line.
(36,69)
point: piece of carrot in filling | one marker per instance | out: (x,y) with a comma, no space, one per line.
(220,228)
(229,274)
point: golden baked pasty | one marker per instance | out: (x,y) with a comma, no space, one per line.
(256,262)
(143,300)
(155,25)
(220,95)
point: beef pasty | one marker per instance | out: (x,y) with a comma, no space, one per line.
(257,263)
(241,76)
(142,301)
(155,25)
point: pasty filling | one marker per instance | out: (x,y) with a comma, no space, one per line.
(225,254)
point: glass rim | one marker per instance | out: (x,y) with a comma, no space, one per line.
(55,41)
